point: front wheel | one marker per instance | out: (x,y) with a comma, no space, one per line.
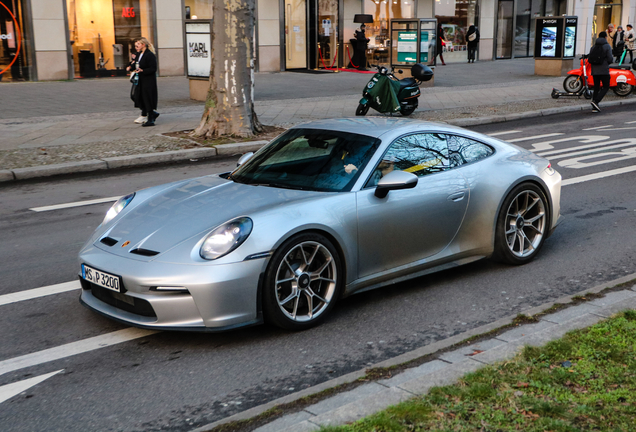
(302,282)
(623,89)
(522,225)
(573,83)
(407,110)
(362,110)
(588,94)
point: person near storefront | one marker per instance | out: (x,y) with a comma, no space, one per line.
(472,40)
(630,38)
(441,41)
(146,97)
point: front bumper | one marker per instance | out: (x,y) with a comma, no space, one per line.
(218,297)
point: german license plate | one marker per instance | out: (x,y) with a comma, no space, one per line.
(103,279)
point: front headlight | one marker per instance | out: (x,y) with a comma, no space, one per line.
(118,207)
(226,238)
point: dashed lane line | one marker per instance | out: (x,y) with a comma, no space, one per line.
(534,137)
(38,292)
(74,204)
(494,134)
(73,348)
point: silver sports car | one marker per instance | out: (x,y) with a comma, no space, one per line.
(328,209)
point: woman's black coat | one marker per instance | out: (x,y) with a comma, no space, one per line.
(472,44)
(146,95)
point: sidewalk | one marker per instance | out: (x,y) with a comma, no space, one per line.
(444,362)
(81,124)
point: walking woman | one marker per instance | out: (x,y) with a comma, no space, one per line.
(472,38)
(440,43)
(146,68)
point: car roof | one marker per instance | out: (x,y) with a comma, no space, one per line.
(375,126)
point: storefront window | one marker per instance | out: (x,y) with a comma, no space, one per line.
(378,31)
(606,12)
(14,64)
(456,16)
(102,34)
(198,9)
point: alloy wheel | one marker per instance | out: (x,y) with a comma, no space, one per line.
(525,223)
(306,281)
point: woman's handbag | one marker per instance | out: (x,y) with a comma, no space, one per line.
(472,36)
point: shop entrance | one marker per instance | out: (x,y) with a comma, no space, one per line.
(311,34)
(102,34)
(14,65)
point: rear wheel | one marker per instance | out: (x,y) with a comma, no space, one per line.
(573,84)
(522,225)
(622,89)
(362,110)
(407,110)
(303,282)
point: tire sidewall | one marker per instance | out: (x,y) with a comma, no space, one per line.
(572,78)
(502,252)
(272,313)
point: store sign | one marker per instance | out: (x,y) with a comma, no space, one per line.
(199,44)
(128,12)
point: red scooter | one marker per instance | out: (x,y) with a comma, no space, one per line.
(622,80)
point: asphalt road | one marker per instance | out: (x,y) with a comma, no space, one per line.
(176,381)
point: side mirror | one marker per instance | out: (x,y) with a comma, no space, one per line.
(393,181)
(244,158)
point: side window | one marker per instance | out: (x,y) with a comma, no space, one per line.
(420,154)
(465,150)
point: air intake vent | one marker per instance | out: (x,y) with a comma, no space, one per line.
(109,241)
(144,252)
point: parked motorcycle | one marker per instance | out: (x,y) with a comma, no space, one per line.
(385,93)
(580,85)
(622,80)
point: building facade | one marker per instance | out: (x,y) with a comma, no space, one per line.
(75,39)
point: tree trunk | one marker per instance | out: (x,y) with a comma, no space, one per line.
(229,108)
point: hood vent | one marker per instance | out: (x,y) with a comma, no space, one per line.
(109,241)
(144,252)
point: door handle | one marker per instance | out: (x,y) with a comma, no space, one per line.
(458,196)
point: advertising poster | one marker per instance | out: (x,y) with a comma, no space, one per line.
(199,47)
(548,41)
(424,56)
(570,36)
(407,47)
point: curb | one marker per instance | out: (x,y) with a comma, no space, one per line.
(415,354)
(18,174)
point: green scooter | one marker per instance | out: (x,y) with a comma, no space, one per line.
(385,93)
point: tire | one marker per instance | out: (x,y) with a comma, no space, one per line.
(554,94)
(573,84)
(588,94)
(622,89)
(522,225)
(407,110)
(302,283)
(362,110)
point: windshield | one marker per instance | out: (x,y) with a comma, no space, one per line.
(309,159)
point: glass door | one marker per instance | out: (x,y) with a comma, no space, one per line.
(295,34)
(327,52)
(505,30)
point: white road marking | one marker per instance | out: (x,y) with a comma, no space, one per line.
(38,292)
(594,148)
(533,137)
(630,122)
(598,127)
(10,390)
(621,128)
(503,133)
(597,176)
(74,204)
(580,161)
(547,145)
(73,348)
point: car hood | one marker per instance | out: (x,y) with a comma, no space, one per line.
(163,220)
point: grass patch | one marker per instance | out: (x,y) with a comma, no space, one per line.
(583,381)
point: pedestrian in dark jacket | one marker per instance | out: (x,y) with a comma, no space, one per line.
(440,43)
(600,72)
(472,42)
(618,44)
(146,96)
